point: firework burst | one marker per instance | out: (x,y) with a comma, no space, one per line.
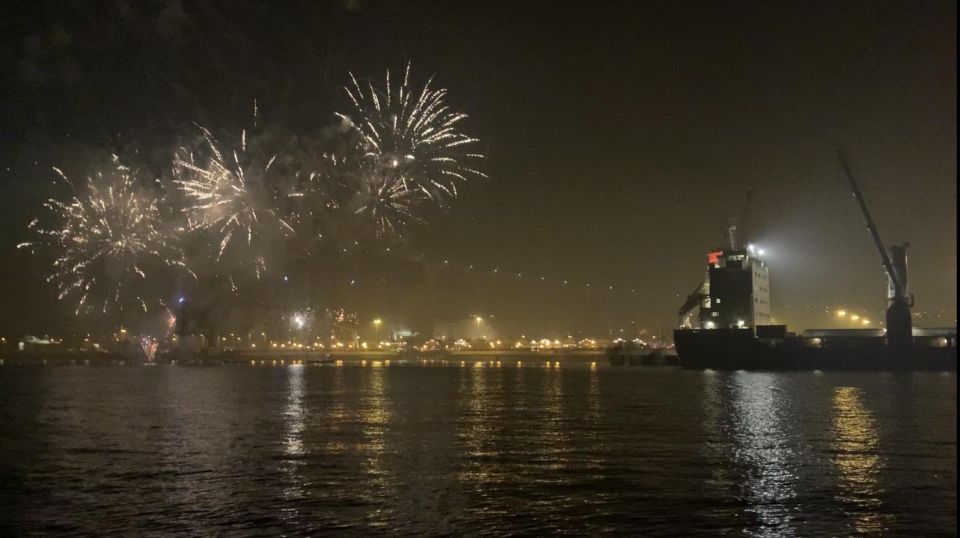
(228,194)
(389,205)
(413,150)
(344,319)
(109,243)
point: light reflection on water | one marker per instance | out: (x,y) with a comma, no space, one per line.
(594,407)
(479,412)
(294,413)
(334,414)
(764,443)
(475,450)
(753,452)
(375,415)
(554,451)
(714,428)
(860,464)
(294,422)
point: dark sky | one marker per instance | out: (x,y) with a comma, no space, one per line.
(618,135)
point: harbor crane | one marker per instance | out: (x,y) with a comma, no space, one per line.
(899,322)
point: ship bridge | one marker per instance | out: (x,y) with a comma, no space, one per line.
(735,292)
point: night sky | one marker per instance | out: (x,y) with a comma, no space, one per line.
(618,137)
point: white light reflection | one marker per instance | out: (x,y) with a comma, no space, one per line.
(591,461)
(593,397)
(334,415)
(375,415)
(555,439)
(294,420)
(293,413)
(763,442)
(481,414)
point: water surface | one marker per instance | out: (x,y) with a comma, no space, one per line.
(474,450)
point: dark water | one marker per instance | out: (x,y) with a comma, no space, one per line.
(421,450)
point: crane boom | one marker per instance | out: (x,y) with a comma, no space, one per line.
(898,284)
(692,301)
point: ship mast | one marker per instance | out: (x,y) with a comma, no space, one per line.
(734,224)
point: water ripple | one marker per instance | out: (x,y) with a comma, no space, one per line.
(474,451)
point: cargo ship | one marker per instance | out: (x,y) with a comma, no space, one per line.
(725,324)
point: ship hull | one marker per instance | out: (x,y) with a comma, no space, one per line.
(740,349)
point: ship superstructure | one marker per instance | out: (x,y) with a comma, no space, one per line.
(735,292)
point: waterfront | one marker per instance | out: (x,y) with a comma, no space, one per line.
(432,450)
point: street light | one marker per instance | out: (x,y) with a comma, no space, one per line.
(376,323)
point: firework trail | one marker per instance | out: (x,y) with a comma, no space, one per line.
(229,195)
(109,242)
(413,151)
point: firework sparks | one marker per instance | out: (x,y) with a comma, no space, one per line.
(389,205)
(109,238)
(413,149)
(149,347)
(343,318)
(228,194)
(301,320)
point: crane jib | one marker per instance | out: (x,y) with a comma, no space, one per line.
(898,284)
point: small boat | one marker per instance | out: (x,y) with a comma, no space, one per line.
(321,358)
(623,353)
